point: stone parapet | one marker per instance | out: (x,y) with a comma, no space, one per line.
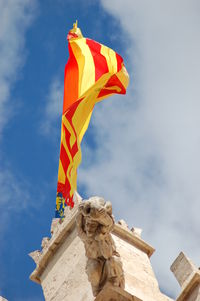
(126,234)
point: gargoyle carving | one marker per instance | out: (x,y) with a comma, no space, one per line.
(95,223)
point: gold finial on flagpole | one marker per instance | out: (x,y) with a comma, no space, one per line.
(75,25)
(76,31)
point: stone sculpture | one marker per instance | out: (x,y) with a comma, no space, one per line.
(95,223)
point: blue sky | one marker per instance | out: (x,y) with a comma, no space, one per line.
(30,135)
(147,163)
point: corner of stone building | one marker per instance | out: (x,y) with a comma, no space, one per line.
(60,265)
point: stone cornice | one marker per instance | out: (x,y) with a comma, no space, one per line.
(136,241)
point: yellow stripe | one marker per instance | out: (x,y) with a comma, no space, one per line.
(111,59)
(85,63)
(82,112)
(85,126)
(61,173)
(73,178)
(73,165)
(123,77)
(70,129)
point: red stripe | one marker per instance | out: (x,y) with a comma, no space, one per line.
(113,81)
(119,62)
(62,189)
(66,193)
(73,150)
(71,81)
(64,158)
(105,92)
(100,62)
(70,113)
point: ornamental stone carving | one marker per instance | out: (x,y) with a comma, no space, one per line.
(95,223)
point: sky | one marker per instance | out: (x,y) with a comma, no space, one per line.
(141,150)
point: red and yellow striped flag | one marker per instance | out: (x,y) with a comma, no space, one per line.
(92,73)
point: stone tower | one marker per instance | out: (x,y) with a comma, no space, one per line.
(114,258)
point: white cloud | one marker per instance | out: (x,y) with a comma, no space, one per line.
(16,16)
(13,192)
(53,108)
(149,142)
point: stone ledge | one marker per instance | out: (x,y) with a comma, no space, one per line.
(132,239)
(115,294)
(192,282)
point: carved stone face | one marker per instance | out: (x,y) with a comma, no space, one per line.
(95,207)
(96,216)
(90,227)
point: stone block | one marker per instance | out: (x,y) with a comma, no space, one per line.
(183,268)
(188,276)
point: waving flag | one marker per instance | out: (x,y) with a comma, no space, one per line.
(92,73)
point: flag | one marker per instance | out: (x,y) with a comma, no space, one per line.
(92,73)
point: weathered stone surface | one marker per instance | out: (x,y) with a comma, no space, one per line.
(194,295)
(183,268)
(45,242)
(95,223)
(64,278)
(140,280)
(115,294)
(54,224)
(137,231)
(61,265)
(35,255)
(122,223)
(188,276)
